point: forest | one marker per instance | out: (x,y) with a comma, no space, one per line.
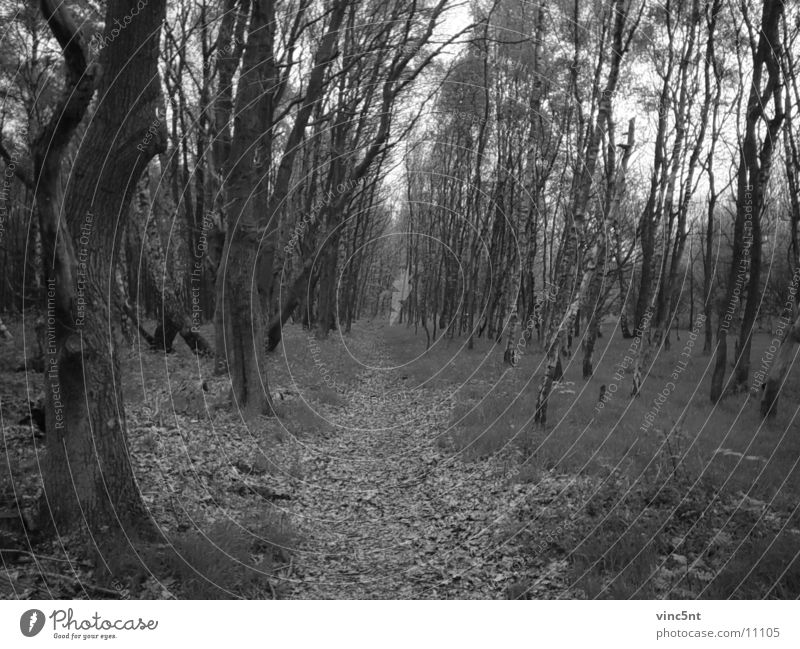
(399,299)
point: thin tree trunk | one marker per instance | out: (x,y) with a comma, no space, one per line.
(755,164)
(570,269)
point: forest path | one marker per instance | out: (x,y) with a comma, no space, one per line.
(385,512)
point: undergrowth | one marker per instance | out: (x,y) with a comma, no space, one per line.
(221,560)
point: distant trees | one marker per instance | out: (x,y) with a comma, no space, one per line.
(476,190)
(366,57)
(516,216)
(687,129)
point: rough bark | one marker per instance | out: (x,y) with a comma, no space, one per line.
(780,370)
(229,49)
(88,480)
(247,267)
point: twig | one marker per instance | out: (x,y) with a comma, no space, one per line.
(45,557)
(85,586)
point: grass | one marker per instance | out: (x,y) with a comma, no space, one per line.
(318,369)
(729,443)
(664,494)
(710,487)
(214,560)
(760,568)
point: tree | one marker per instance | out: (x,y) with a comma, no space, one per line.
(755,166)
(780,370)
(247,266)
(88,480)
(382,53)
(783,360)
(152,264)
(575,273)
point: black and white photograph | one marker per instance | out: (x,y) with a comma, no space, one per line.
(399,300)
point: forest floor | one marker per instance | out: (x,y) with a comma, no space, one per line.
(387,512)
(394,471)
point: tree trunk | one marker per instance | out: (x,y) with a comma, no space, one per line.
(4,332)
(172,316)
(229,48)
(779,371)
(328,281)
(88,480)
(241,308)
(574,277)
(755,162)
(510,354)
(251,234)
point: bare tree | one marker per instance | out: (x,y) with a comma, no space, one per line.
(755,166)
(88,480)
(574,287)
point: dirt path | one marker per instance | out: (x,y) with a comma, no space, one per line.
(387,513)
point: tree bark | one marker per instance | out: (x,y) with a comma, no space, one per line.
(248,260)
(172,312)
(572,273)
(88,479)
(779,371)
(755,164)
